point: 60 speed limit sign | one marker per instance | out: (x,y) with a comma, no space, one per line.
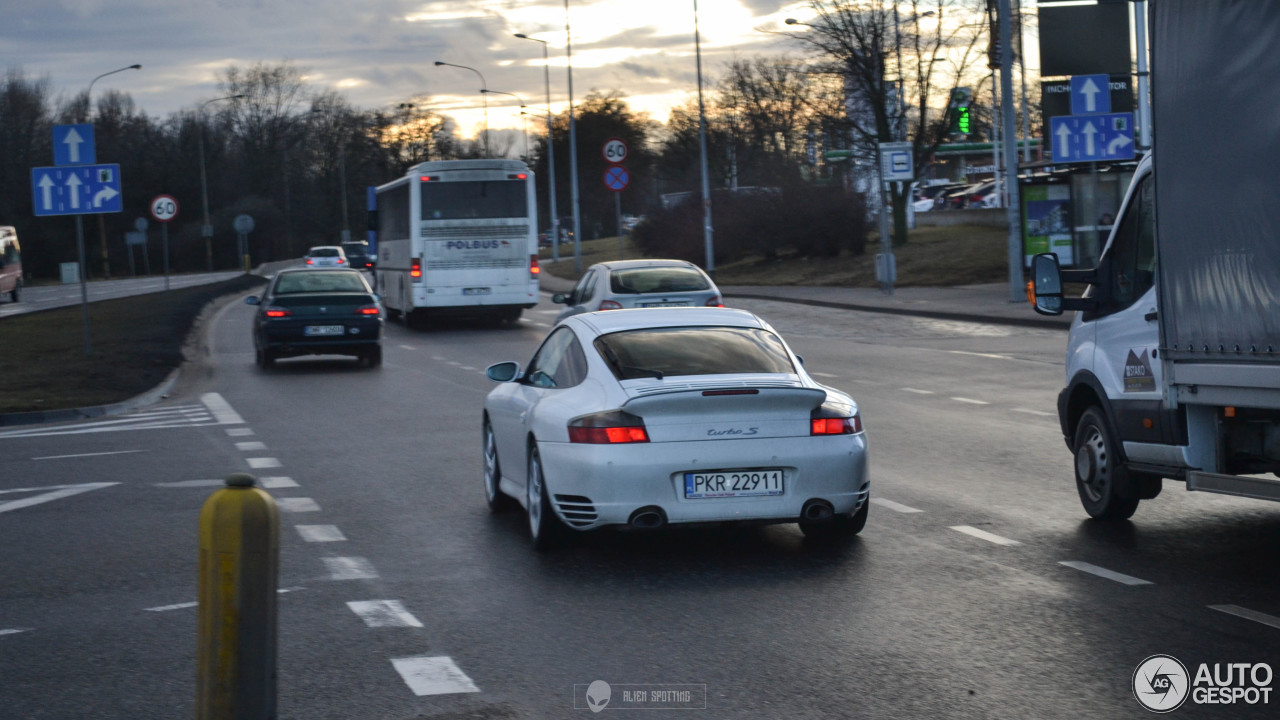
(164,208)
(615,150)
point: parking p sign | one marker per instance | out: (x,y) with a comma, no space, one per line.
(896,161)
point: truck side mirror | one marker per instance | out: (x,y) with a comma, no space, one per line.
(1047,284)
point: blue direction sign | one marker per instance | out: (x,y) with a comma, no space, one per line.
(1092,138)
(78,190)
(1090,94)
(73,145)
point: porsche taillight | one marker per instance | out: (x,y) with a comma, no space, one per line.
(607,428)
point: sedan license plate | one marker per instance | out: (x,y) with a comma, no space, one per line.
(664,304)
(314,330)
(733,483)
(476,291)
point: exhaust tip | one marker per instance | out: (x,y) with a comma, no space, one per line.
(817,511)
(648,518)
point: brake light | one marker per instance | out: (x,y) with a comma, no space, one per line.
(534,267)
(608,428)
(415,270)
(340,261)
(367,310)
(715,302)
(609,305)
(277,312)
(832,418)
(310,261)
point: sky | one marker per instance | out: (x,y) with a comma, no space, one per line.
(378,53)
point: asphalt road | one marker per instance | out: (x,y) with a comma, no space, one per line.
(46,297)
(955,602)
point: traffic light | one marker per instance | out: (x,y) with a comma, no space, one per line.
(960,111)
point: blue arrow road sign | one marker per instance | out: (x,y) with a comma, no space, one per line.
(1090,94)
(73,145)
(1092,138)
(79,190)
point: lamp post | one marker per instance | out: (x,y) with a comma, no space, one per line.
(342,173)
(554,215)
(522,122)
(484,86)
(573,148)
(206,230)
(102,227)
(702,147)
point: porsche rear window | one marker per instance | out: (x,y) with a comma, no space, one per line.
(657,279)
(659,352)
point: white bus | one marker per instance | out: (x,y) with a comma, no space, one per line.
(458,237)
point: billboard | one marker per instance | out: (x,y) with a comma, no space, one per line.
(1084,39)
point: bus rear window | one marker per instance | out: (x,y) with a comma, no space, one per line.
(474,199)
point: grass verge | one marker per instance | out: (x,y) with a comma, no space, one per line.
(932,256)
(136,341)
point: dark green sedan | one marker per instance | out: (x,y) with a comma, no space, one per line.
(317,312)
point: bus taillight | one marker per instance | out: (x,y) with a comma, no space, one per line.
(415,270)
(534,268)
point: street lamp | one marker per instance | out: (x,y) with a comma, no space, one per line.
(483,93)
(88,109)
(551,153)
(573,148)
(88,94)
(702,144)
(206,230)
(522,122)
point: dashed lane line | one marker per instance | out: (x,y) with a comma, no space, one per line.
(1247,614)
(320,533)
(896,507)
(984,535)
(92,454)
(383,613)
(826,375)
(221,409)
(275,483)
(13,631)
(970,401)
(239,432)
(191,483)
(298,505)
(427,675)
(1040,413)
(350,568)
(408,347)
(979,354)
(917,391)
(259,463)
(1104,573)
(251,445)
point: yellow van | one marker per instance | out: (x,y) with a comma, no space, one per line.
(10,263)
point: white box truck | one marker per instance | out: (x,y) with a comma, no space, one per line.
(1173,359)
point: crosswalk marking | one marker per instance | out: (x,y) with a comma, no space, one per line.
(213,409)
(320,533)
(350,568)
(384,613)
(427,675)
(296,504)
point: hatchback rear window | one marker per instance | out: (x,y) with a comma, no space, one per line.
(659,352)
(657,279)
(320,281)
(324,252)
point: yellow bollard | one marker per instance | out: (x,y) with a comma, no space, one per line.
(236,627)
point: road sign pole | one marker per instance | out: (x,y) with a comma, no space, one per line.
(164,239)
(617,215)
(84,289)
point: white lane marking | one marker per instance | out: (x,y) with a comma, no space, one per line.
(427,675)
(350,568)
(221,409)
(383,613)
(971,401)
(978,354)
(917,391)
(1247,614)
(1105,573)
(538,324)
(455,363)
(298,505)
(1041,413)
(408,347)
(320,533)
(239,432)
(13,631)
(467,367)
(896,507)
(984,535)
(864,382)
(818,374)
(275,483)
(191,483)
(539,312)
(262,462)
(93,454)
(58,492)
(251,445)
(176,606)
(436,357)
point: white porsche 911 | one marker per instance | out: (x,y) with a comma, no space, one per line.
(644,418)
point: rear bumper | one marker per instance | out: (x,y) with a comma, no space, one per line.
(596,485)
(290,340)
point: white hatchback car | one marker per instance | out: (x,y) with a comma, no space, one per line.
(644,418)
(327,256)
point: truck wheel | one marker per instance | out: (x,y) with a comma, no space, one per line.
(1101,479)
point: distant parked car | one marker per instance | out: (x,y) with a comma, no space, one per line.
(323,256)
(10,263)
(358,256)
(639,284)
(317,312)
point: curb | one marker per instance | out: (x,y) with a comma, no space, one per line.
(38,417)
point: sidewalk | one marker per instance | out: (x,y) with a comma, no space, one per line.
(970,303)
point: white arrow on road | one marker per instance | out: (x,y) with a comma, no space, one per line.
(104,195)
(73,141)
(1090,92)
(1064,140)
(74,183)
(1117,144)
(52,492)
(1089,131)
(46,193)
